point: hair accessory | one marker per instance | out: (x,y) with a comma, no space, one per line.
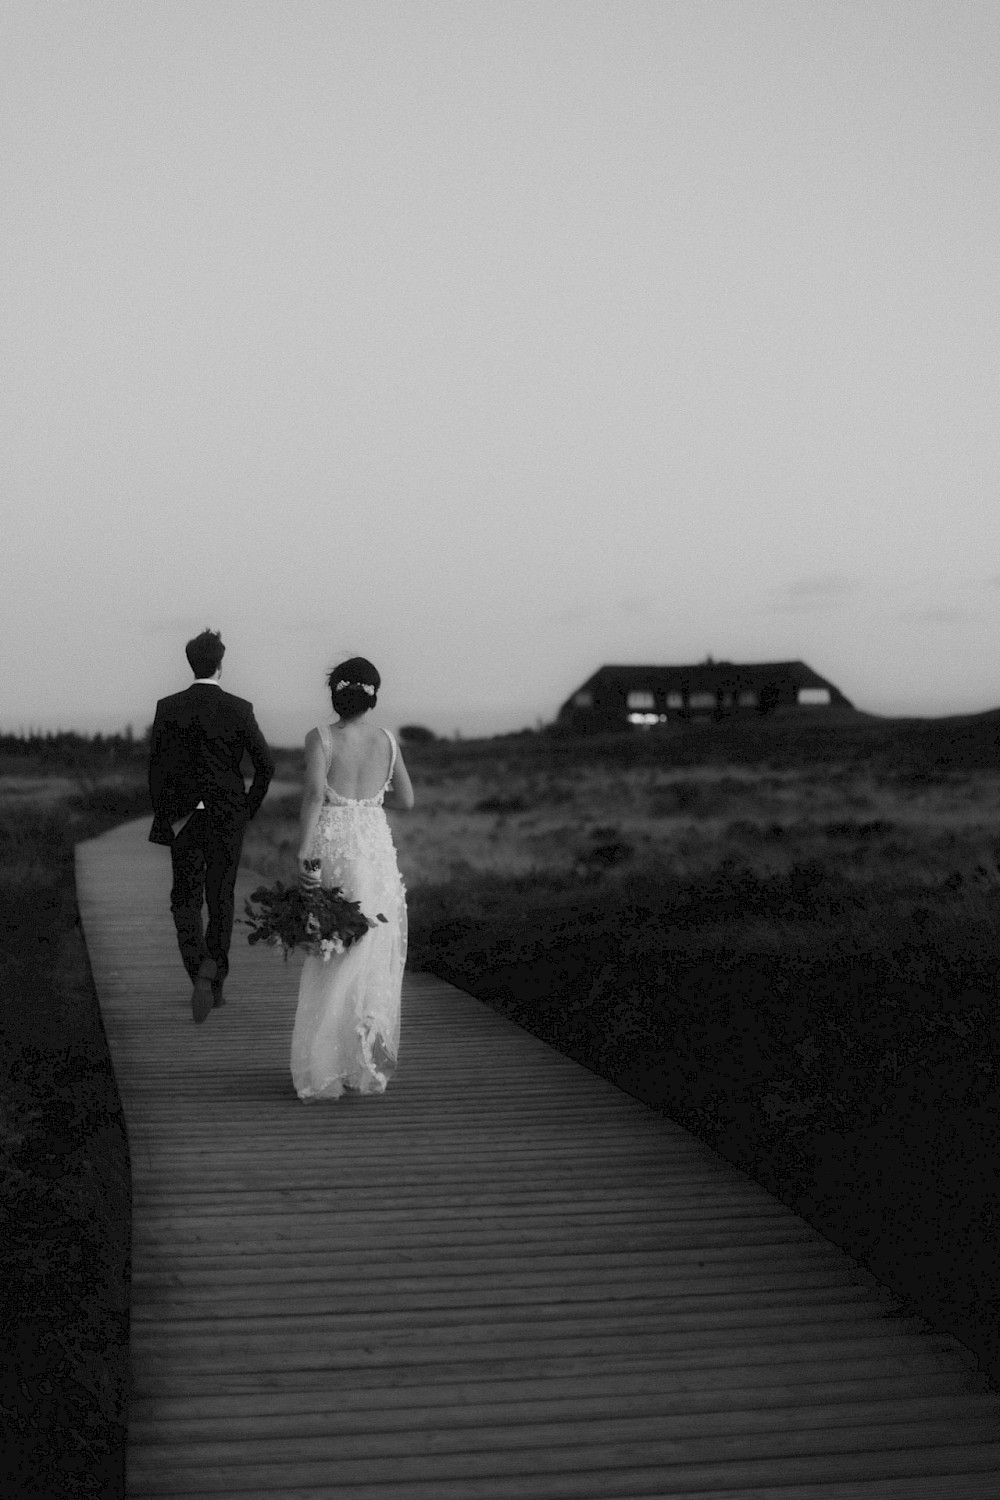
(365,687)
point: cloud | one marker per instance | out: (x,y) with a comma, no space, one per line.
(935,615)
(813,592)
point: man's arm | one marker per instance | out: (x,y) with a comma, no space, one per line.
(263,765)
(161,832)
(156,767)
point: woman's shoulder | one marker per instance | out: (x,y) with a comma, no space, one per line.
(374,735)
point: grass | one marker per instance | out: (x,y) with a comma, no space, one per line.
(785,939)
(64,1171)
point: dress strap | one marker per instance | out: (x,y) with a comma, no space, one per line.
(392,762)
(326,740)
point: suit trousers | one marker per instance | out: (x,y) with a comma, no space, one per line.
(205,859)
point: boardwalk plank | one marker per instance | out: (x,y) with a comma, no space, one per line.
(333,1299)
(404,1404)
(717,1439)
(656,1485)
(853,1362)
(605,1470)
(504,1278)
(693,1414)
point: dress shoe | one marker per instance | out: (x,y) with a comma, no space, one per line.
(218,998)
(201,995)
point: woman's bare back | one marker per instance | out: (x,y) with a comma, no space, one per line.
(362,756)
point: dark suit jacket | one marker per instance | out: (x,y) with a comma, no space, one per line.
(197,744)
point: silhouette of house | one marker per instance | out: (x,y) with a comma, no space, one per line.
(616,697)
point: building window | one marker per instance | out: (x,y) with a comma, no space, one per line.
(640,698)
(702,700)
(647,720)
(813,695)
(747,699)
(725,699)
(583,699)
(675,699)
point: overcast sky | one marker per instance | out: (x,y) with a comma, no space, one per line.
(495,340)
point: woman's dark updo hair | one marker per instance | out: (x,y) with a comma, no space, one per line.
(347,684)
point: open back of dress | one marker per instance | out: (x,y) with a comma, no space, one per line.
(346,1033)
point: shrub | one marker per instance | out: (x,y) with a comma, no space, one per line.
(608,854)
(502,805)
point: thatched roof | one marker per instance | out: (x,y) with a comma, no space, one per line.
(707,676)
(765,684)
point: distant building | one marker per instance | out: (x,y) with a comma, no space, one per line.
(616,697)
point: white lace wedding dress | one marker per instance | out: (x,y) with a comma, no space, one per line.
(346,1033)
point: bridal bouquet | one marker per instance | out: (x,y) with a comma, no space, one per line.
(321,922)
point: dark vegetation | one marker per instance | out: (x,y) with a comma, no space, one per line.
(64,1171)
(856,1083)
(416,734)
(66,751)
(788,738)
(834,1035)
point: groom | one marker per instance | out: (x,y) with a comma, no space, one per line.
(201,808)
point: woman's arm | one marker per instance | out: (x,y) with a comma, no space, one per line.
(400,794)
(312,801)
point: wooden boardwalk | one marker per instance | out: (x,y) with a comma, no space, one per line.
(504,1278)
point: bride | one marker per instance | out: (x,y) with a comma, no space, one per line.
(346,1033)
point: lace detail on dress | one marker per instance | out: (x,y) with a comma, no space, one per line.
(376,1049)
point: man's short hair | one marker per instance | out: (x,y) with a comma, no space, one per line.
(205,653)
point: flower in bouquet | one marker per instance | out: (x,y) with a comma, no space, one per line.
(320,920)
